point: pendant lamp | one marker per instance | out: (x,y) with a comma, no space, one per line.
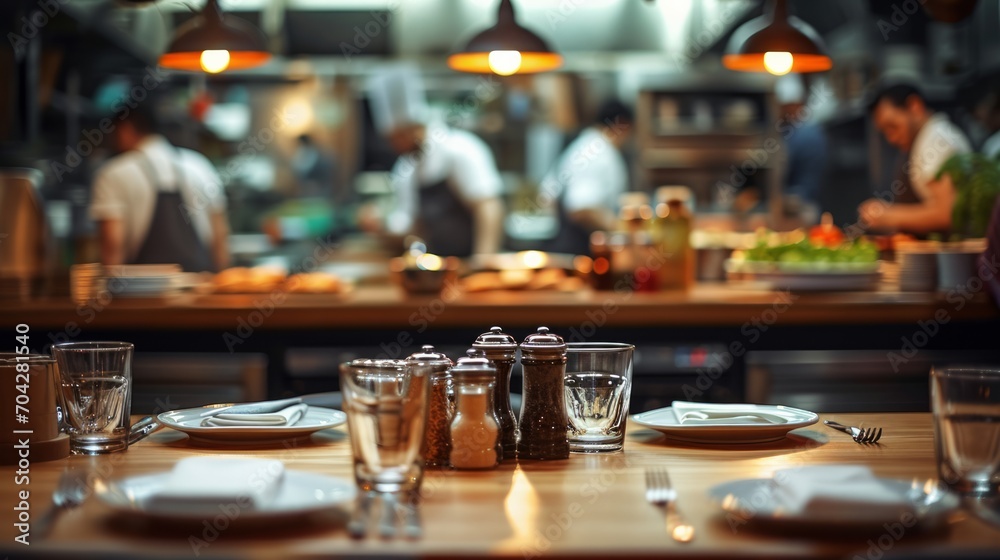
(505,49)
(777,43)
(211,42)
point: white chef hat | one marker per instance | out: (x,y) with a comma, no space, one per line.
(396,97)
(790,89)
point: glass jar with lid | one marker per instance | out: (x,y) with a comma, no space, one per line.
(475,431)
(440,406)
(501,349)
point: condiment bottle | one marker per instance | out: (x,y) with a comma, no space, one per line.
(543,422)
(440,406)
(475,431)
(673,236)
(501,349)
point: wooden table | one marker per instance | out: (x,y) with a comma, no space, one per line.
(588,505)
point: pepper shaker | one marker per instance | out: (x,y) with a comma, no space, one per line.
(440,406)
(501,349)
(475,431)
(543,421)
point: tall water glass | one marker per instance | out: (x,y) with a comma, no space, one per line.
(96,394)
(386,405)
(966,406)
(598,385)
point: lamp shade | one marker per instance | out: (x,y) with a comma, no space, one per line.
(505,49)
(776,43)
(212,42)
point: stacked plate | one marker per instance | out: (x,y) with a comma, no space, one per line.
(85,280)
(917,267)
(144,281)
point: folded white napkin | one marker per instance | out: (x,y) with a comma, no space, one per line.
(211,483)
(705,413)
(285,417)
(838,491)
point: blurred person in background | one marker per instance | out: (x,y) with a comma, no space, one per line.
(315,170)
(155,203)
(805,142)
(987,113)
(446,183)
(925,139)
(588,179)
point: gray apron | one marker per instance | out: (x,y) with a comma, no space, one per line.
(445,222)
(171,237)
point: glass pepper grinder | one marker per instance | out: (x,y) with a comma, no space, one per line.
(501,349)
(543,422)
(475,431)
(440,406)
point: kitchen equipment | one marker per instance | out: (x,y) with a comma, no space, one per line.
(860,435)
(96,385)
(966,405)
(598,384)
(668,422)
(475,431)
(24,235)
(441,406)
(660,492)
(190,422)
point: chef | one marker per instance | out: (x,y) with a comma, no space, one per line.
(588,180)
(920,203)
(447,186)
(158,204)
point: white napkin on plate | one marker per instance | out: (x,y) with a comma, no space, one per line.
(286,417)
(210,483)
(838,491)
(706,413)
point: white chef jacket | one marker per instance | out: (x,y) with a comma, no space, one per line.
(937,141)
(458,156)
(122,189)
(591,173)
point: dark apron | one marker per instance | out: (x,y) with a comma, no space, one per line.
(571,237)
(906,194)
(445,222)
(171,237)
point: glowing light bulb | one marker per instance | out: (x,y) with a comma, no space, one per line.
(505,63)
(214,62)
(778,63)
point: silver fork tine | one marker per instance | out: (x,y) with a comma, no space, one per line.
(879,436)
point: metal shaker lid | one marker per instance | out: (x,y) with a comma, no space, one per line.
(429,356)
(543,344)
(496,344)
(474,363)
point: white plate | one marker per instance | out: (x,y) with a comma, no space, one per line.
(809,276)
(665,421)
(189,421)
(753,499)
(301,493)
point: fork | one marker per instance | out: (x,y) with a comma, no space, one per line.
(660,492)
(860,435)
(69,493)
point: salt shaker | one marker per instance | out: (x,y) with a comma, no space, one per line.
(543,421)
(475,431)
(440,406)
(501,349)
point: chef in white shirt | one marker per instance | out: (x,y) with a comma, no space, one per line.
(447,186)
(588,179)
(159,204)
(921,203)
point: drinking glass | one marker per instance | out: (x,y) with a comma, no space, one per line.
(966,405)
(96,394)
(598,383)
(386,405)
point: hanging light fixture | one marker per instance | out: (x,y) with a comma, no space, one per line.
(777,43)
(505,49)
(212,42)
